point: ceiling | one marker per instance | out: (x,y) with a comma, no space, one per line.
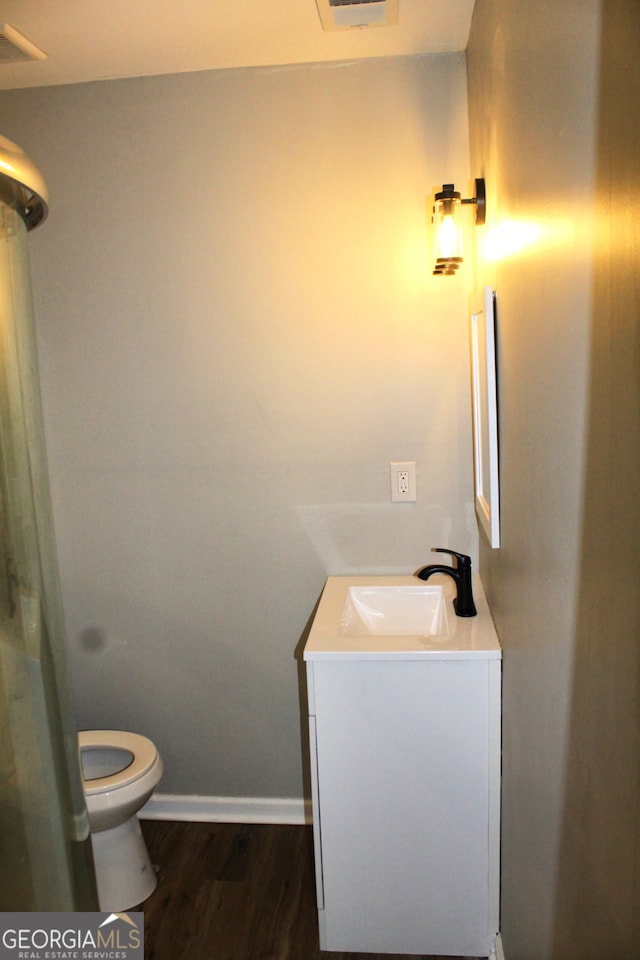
(101,39)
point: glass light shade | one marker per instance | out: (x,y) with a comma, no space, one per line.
(448,230)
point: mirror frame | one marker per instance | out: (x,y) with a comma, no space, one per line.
(485,412)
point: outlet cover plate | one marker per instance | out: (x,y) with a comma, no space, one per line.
(402,474)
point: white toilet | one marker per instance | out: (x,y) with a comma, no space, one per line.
(120,771)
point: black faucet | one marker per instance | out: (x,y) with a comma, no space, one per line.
(461,573)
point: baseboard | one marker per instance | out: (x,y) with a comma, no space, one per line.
(169,806)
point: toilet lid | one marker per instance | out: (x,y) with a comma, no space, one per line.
(143,750)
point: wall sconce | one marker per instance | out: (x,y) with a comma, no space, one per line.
(447,219)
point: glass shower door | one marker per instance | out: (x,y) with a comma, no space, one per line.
(45,848)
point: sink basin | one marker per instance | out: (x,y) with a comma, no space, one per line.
(399,611)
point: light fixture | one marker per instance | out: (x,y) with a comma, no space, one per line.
(447,217)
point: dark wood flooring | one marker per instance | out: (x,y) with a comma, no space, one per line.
(234,892)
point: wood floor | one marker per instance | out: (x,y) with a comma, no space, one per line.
(234,892)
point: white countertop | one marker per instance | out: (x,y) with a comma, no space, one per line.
(468,638)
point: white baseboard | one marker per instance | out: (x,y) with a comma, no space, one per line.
(497,953)
(170,806)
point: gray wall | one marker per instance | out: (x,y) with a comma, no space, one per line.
(238,330)
(553,94)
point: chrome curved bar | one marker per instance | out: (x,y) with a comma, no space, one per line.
(22,186)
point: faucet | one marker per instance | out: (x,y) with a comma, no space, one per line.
(461,573)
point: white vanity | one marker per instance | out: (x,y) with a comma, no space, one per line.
(404,704)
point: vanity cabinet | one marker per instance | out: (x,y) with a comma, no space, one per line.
(405,754)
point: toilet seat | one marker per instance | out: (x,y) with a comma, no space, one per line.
(143,750)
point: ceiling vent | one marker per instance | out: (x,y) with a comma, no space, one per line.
(347,14)
(14,46)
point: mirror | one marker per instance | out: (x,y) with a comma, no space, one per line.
(485,413)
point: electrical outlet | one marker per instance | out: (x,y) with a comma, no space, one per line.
(403,481)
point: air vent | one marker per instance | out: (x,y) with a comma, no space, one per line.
(14,46)
(349,14)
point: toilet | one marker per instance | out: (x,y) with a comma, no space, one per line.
(120,771)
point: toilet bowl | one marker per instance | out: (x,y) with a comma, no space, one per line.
(120,771)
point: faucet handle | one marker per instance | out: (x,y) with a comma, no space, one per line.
(463,559)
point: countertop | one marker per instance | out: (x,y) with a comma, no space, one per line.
(467,638)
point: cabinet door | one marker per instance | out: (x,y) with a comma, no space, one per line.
(403,770)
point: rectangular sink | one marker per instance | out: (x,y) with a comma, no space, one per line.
(398,611)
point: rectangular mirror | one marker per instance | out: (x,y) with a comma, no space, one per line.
(485,413)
